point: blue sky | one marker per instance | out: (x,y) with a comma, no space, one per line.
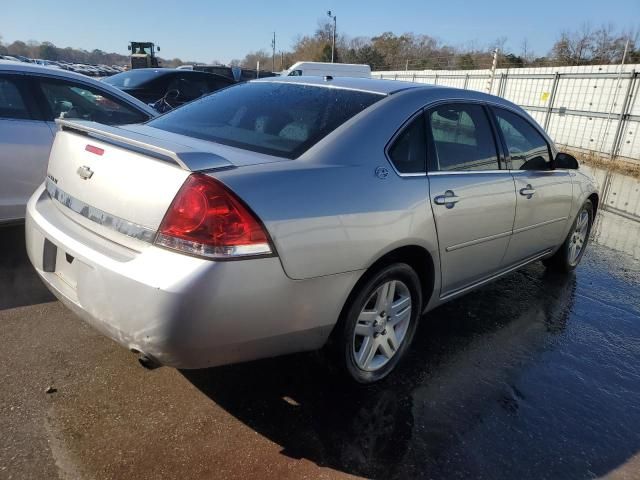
(206,30)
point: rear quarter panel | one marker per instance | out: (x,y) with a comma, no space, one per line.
(327,211)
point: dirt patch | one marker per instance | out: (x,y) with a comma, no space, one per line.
(598,160)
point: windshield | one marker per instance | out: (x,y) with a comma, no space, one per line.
(274,118)
(133,78)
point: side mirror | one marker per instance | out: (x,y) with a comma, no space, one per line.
(566,161)
(129,47)
(158,48)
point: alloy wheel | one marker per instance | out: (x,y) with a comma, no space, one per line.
(579,237)
(382,325)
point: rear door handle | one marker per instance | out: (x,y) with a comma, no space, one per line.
(449,199)
(528,191)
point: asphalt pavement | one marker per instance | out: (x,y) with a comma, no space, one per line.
(535,376)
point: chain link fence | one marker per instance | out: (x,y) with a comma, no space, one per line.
(592,108)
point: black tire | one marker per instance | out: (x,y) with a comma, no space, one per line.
(342,347)
(561,260)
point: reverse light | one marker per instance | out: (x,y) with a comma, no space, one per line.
(208,220)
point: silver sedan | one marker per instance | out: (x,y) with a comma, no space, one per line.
(31,98)
(291,214)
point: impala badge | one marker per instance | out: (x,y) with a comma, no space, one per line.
(85,172)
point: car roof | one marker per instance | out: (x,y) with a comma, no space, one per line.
(382,87)
(23,67)
(390,87)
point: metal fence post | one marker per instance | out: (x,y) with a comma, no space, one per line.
(552,98)
(499,92)
(504,84)
(435,82)
(624,113)
(466,81)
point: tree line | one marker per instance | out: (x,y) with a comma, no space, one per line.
(48,51)
(389,51)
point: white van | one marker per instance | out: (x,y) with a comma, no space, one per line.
(321,69)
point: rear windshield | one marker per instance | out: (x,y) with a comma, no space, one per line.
(273,118)
(132,78)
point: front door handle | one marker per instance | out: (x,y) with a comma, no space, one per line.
(449,199)
(527,191)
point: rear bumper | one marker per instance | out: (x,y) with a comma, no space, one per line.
(183,311)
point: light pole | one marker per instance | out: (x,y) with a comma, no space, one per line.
(333,44)
(273,54)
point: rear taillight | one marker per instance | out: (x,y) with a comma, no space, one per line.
(208,220)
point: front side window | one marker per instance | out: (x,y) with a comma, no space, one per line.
(189,87)
(408,152)
(527,147)
(12,103)
(462,138)
(72,100)
(268,117)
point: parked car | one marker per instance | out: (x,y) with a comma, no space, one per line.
(322,69)
(236,74)
(288,214)
(31,97)
(151,84)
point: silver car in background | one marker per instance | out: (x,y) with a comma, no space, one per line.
(290,214)
(31,98)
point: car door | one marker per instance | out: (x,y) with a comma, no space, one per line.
(472,194)
(25,143)
(544,195)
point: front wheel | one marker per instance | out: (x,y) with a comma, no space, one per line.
(570,253)
(379,323)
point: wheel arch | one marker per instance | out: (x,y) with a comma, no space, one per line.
(417,257)
(594,201)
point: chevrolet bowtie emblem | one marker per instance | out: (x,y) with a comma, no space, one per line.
(85,172)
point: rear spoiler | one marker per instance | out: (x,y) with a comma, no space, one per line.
(185,157)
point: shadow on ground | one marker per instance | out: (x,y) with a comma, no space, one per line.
(20,283)
(497,385)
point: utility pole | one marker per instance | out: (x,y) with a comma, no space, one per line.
(273,54)
(333,44)
(493,70)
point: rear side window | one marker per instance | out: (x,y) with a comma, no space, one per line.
(462,138)
(273,118)
(527,147)
(133,78)
(72,100)
(12,104)
(408,152)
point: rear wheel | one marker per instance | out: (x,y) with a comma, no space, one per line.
(379,323)
(570,253)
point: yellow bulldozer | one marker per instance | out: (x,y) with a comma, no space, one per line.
(143,55)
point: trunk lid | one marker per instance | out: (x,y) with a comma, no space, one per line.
(119,183)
